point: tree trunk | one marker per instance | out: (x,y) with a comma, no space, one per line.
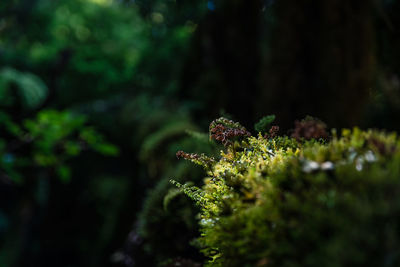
(322,61)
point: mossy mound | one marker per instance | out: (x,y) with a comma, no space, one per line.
(289,202)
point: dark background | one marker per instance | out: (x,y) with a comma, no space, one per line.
(96,96)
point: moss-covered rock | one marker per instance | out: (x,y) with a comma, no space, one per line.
(287,202)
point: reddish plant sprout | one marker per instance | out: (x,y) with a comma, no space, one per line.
(202,160)
(273,132)
(225,131)
(309,128)
(189,156)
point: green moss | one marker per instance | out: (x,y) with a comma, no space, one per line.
(281,202)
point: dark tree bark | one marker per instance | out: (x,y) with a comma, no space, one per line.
(322,61)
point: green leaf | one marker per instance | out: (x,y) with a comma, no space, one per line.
(264,123)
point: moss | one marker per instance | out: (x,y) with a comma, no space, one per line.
(283,202)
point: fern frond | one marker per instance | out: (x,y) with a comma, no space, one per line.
(192,192)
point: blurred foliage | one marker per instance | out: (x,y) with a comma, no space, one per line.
(47,141)
(108,64)
(71,44)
